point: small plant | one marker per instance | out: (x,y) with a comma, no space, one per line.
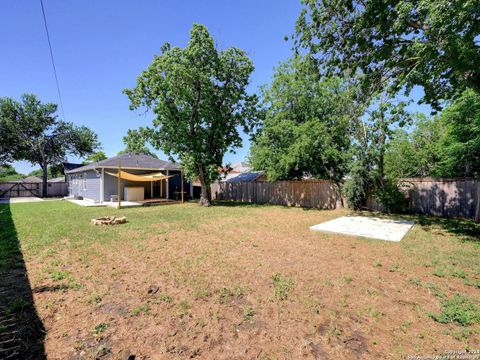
(183,307)
(283,286)
(348,279)
(377,264)
(459,309)
(99,328)
(140,309)
(94,298)
(458,273)
(18,305)
(59,275)
(248,314)
(414,281)
(440,272)
(435,290)
(474,283)
(165,298)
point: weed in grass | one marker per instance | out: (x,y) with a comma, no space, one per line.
(165,298)
(248,313)
(440,272)
(94,298)
(377,264)
(100,328)
(227,294)
(58,275)
(347,279)
(372,292)
(182,308)
(460,309)
(435,290)
(18,305)
(140,309)
(474,283)
(102,351)
(458,273)
(414,281)
(460,334)
(394,268)
(283,286)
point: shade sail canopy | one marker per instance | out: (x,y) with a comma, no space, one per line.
(144,177)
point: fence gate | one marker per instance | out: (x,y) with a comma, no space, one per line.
(19,189)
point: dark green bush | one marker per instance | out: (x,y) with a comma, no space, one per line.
(391,198)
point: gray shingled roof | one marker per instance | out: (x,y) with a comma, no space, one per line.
(129,161)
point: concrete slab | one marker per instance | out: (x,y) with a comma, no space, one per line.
(20,200)
(123,204)
(86,203)
(369,227)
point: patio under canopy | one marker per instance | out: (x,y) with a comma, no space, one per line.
(144,178)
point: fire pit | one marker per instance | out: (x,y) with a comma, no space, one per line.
(109,220)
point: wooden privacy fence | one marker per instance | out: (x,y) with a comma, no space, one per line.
(23,189)
(310,193)
(443,197)
(18,189)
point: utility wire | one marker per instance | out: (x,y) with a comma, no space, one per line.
(51,56)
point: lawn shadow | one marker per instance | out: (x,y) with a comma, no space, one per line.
(468,230)
(21,330)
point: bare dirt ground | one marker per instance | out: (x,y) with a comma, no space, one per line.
(242,282)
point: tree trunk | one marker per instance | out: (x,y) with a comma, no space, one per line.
(206,194)
(45,180)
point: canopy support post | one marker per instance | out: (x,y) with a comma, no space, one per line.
(119,187)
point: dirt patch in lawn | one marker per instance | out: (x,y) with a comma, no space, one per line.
(247,283)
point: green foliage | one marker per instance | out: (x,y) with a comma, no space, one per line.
(199,97)
(415,153)
(135,141)
(95,157)
(460,309)
(36,135)
(53,172)
(392,199)
(460,148)
(357,186)
(447,145)
(8,173)
(396,43)
(307,126)
(100,328)
(283,285)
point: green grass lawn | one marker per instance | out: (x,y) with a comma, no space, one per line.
(244,281)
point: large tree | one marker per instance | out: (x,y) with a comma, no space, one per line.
(307,127)
(95,157)
(135,143)
(199,97)
(36,135)
(397,43)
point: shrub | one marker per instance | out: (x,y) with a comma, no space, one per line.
(356,187)
(391,198)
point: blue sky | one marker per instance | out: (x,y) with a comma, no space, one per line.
(101,46)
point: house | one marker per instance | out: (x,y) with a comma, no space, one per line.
(29,179)
(141,177)
(248,176)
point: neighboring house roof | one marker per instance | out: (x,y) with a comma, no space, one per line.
(240,167)
(31,179)
(57,180)
(243,177)
(71,166)
(129,161)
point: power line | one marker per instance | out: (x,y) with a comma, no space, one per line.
(51,56)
